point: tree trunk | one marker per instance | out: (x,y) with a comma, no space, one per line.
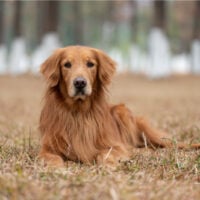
(196,32)
(71,27)
(160,14)
(78,28)
(195,46)
(1,21)
(29,20)
(17,19)
(48,14)
(134,20)
(52,16)
(8,33)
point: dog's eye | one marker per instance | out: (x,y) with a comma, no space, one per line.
(68,65)
(90,64)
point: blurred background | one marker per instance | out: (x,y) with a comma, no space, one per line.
(154,38)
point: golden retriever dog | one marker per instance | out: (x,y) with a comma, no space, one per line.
(77,123)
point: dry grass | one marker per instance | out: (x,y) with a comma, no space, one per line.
(172,104)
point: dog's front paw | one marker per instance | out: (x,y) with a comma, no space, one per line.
(51,160)
(111,160)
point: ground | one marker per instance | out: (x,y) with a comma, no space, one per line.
(171,104)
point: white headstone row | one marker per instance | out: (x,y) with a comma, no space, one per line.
(19,62)
(156,62)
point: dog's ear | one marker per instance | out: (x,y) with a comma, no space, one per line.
(51,69)
(106,67)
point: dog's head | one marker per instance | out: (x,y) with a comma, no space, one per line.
(79,70)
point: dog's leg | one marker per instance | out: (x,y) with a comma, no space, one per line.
(112,156)
(153,137)
(158,138)
(138,132)
(51,159)
(127,126)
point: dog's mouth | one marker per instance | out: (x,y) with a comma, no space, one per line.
(80,95)
(80,92)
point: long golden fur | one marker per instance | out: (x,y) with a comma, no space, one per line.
(77,123)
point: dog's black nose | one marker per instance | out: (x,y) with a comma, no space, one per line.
(80,83)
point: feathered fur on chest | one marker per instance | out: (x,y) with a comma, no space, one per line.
(77,135)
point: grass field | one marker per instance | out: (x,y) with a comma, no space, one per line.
(172,105)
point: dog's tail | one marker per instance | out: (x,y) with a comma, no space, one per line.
(155,138)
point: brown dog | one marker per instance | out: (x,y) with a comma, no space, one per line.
(77,123)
